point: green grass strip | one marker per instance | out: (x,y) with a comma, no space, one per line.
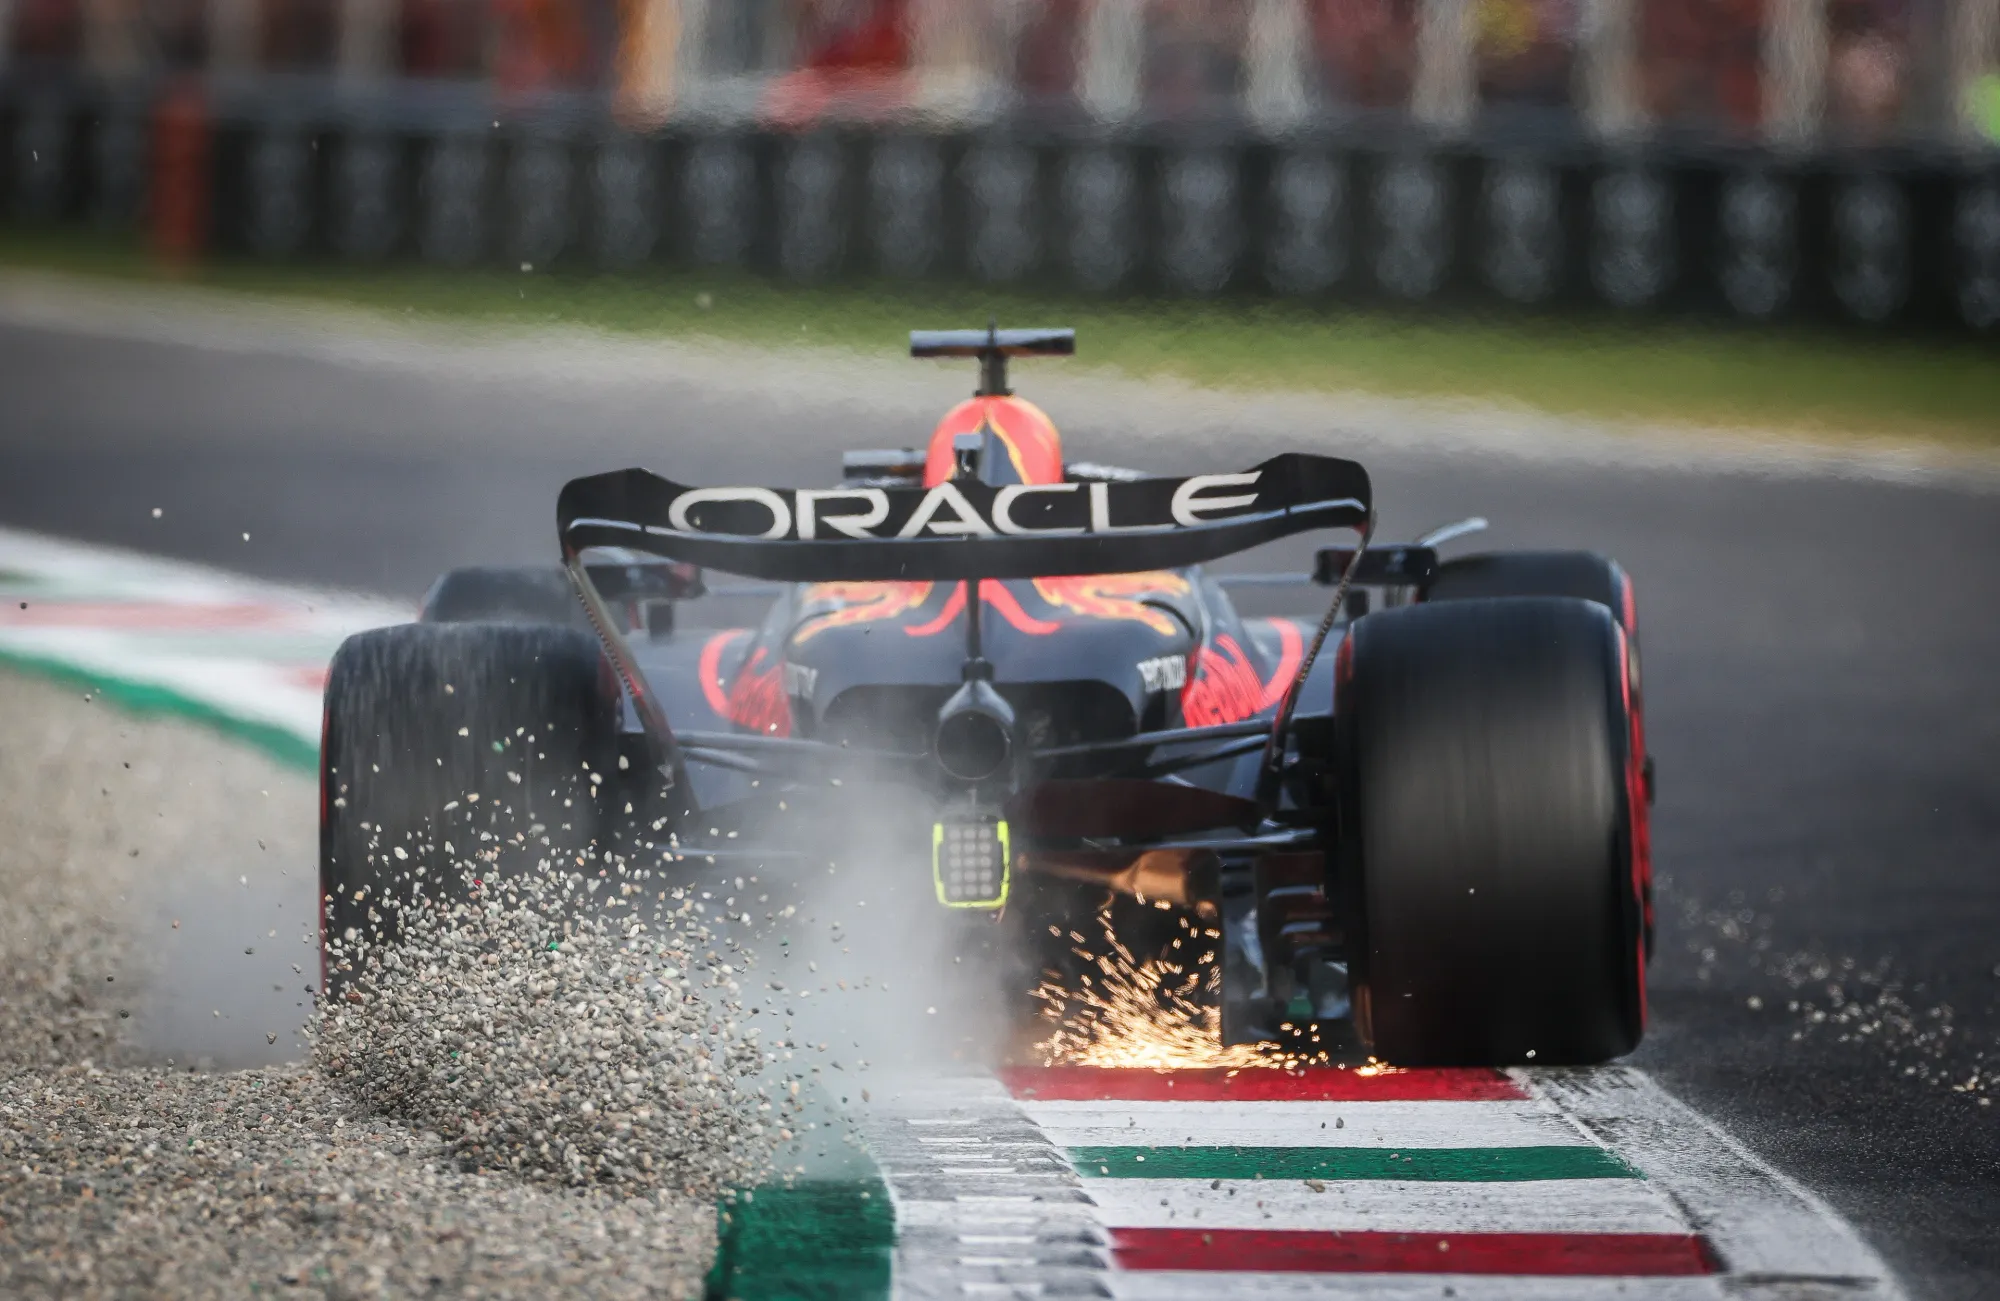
(1421,1164)
(280,743)
(830,1240)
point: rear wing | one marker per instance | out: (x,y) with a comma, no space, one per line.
(963,529)
(960,530)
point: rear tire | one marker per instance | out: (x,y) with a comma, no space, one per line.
(1486,849)
(505,594)
(1586,576)
(459,735)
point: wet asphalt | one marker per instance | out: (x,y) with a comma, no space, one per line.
(1821,682)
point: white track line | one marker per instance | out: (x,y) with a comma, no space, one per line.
(1768,1229)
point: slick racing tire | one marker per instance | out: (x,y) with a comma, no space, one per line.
(1486,849)
(449,747)
(500,594)
(1586,576)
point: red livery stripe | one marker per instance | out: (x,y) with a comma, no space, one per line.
(1308,1252)
(1096,1084)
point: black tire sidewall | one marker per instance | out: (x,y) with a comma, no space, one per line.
(502,594)
(1485,841)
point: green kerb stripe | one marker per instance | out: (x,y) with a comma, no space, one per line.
(822,1241)
(1426,1164)
(280,743)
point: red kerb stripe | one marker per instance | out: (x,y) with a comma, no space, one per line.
(147,616)
(1326,1084)
(1302,1252)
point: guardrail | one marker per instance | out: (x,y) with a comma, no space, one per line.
(1890,237)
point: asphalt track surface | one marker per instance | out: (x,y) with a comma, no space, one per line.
(1820,657)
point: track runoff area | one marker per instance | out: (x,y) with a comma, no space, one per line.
(1080,1181)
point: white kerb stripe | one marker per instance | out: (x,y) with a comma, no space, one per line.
(1298,1124)
(244,689)
(1387,1205)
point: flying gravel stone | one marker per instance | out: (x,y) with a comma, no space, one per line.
(545,1029)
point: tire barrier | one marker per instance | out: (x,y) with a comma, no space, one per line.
(1099,208)
(1413,226)
(1203,238)
(812,232)
(1871,247)
(41,172)
(720,197)
(1876,238)
(1632,236)
(453,200)
(1003,199)
(278,192)
(118,167)
(906,206)
(1309,249)
(1976,232)
(539,206)
(625,203)
(366,225)
(1523,231)
(1759,243)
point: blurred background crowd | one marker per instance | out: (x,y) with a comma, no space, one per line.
(1821,71)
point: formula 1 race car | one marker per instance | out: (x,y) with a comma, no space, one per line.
(1425,811)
